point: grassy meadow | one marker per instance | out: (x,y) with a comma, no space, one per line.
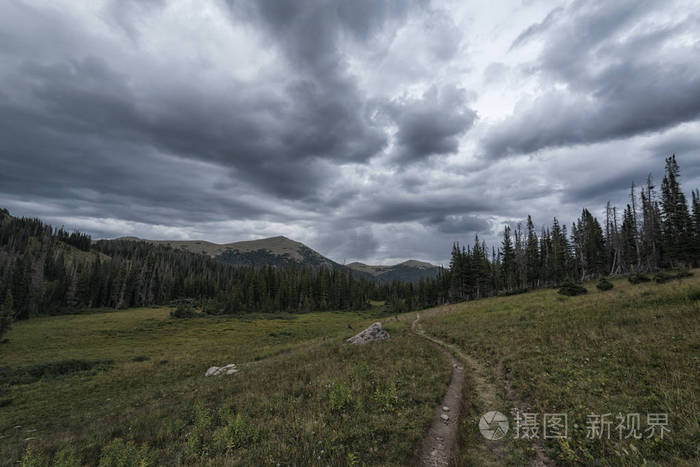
(633,349)
(128,387)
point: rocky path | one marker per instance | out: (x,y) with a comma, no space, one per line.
(440,446)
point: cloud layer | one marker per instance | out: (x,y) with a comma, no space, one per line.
(371,130)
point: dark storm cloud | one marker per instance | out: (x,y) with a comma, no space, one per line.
(431,124)
(325,120)
(70,107)
(425,209)
(461,224)
(615,79)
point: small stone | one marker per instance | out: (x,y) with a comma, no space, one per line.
(445,408)
(445,417)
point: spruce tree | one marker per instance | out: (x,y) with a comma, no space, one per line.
(677,225)
(509,265)
(532,255)
(6,312)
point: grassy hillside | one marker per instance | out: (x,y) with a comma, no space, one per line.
(131,385)
(633,349)
(275,251)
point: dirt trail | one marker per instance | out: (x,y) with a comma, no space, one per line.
(440,446)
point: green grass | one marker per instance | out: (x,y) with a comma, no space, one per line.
(125,387)
(122,388)
(632,349)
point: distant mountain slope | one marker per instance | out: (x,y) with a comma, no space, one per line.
(275,251)
(408,271)
(281,251)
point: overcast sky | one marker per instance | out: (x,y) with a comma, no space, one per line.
(370,130)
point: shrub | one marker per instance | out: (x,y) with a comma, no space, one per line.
(183,311)
(570,289)
(118,454)
(694,295)
(662,277)
(237,432)
(140,358)
(509,293)
(636,278)
(683,273)
(387,398)
(30,374)
(604,284)
(339,397)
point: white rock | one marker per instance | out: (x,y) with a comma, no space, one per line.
(445,417)
(445,408)
(373,333)
(224,370)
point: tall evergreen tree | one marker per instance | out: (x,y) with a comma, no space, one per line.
(677,225)
(509,265)
(532,254)
(7,311)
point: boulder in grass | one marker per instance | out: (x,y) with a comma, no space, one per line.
(223,370)
(373,333)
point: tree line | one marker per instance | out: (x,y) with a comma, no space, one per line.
(44,270)
(656,230)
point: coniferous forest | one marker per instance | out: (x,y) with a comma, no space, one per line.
(44,270)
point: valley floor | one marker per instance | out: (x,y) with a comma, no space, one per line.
(124,387)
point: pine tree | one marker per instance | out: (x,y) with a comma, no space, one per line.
(509,265)
(651,249)
(532,255)
(628,241)
(677,230)
(6,312)
(696,226)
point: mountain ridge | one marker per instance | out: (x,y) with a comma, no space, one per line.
(283,251)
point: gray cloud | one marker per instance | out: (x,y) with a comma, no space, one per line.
(431,124)
(355,127)
(614,78)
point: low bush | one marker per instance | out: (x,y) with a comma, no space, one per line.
(508,293)
(30,374)
(636,278)
(662,277)
(604,284)
(571,289)
(183,311)
(694,295)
